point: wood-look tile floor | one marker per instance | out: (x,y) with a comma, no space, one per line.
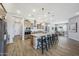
(64,47)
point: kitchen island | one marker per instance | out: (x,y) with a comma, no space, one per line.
(36,36)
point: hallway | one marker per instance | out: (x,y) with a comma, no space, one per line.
(64,47)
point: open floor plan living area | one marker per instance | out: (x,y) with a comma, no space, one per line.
(39,29)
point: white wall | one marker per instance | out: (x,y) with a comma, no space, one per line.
(13,28)
(52,24)
(74,35)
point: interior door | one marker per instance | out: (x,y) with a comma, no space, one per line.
(17,28)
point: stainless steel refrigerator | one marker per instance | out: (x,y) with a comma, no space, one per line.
(2,33)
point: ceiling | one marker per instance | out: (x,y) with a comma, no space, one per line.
(54,12)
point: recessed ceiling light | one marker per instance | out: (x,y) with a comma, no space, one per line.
(18,11)
(39,17)
(48,25)
(77,13)
(29,15)
(34,10)
(45,15)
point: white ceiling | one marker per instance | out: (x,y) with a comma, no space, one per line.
(60,11)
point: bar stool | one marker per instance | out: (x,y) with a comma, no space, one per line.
(53,39)
(56,38)
(48,38)
(42,44)
(39,43)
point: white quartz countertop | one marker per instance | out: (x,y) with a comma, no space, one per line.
(40,34)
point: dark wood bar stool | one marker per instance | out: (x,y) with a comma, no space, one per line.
(39,42)
(49,42)
(42,43)
(53,39)
(56,38)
